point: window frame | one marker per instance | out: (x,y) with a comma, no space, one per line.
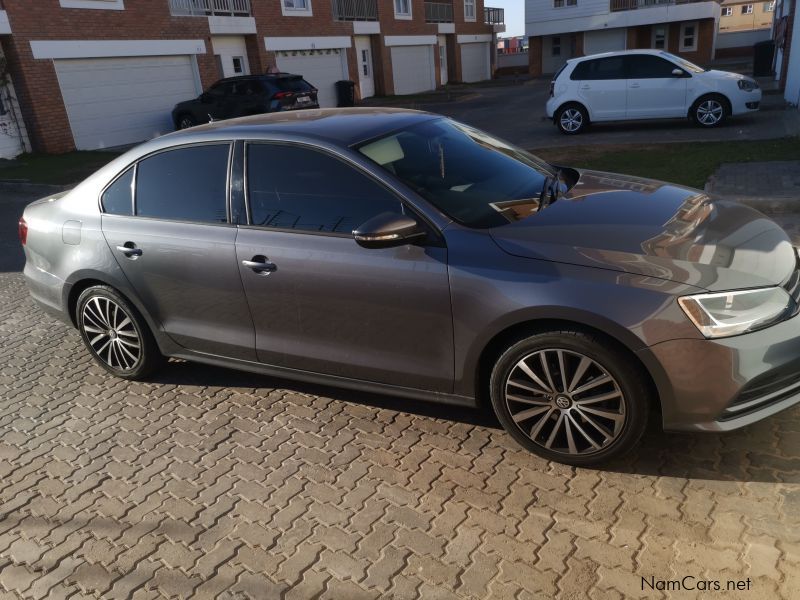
(342,158)
(402,15)
(727,11)
(654,36)
(135,165)
(555,46)
(768,6)
(286,11)
(747,9)
(474,5)
(682,38)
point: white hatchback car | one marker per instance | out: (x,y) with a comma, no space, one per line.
(645,84)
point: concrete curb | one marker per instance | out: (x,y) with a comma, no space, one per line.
(34,188)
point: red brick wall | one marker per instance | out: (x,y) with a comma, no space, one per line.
(705,41)
(535,56)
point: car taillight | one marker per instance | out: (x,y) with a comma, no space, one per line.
(552,88)
(280,95)
(23,231)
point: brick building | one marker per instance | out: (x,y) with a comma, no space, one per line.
(93,74)
(562,29)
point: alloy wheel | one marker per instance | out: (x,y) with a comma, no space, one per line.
(710,112)
(565,402)
(571,120)
(185,123)
(111,333)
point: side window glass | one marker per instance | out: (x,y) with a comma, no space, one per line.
(599,69)
(186,184)
(649,67)
(290,187)
(118,197)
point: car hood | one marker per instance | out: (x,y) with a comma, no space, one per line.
(655,229)
(714,74)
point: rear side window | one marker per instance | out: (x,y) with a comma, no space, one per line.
(292,187)
(118,197)
(293,84)
(612,67)
(186,184)
(645,66)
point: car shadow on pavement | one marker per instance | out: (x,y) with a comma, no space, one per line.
(759,453)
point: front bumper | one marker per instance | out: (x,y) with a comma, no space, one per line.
(745,102)
(728,383)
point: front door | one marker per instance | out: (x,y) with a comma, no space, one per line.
(177,249)
(366,78)
(322,303)
(653,89)
(603,87)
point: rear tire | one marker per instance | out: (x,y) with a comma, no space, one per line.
(115,334)
(710,111)
(571,397)
(185,121)
(572,119)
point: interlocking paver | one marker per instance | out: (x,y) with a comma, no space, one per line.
(211,483)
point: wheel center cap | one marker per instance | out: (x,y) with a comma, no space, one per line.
(112,334)
(563,402)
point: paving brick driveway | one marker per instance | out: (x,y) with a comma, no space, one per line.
(210,483)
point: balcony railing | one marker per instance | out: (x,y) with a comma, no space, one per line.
(496,16)
(618,5)
(355,10)
(438,12)
(209,8)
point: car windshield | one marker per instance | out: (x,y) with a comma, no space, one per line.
(469,175)
(689,66)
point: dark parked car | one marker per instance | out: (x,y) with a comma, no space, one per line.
(246,95)
(405,253)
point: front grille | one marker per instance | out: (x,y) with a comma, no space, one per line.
(764,391)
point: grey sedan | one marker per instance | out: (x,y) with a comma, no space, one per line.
(404,253)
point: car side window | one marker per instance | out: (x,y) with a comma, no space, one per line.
(185,184)
(118,197)
(646,66)
(612,67)
(293,187)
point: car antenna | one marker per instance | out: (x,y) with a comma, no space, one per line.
(210,118)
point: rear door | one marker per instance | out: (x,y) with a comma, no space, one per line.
(176,246)
(602,86)
(653,91)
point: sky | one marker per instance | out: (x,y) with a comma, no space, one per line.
(514,15)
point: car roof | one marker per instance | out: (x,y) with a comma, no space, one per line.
(339,126)
(273,76)
(619,53)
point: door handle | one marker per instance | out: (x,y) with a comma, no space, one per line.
(586,87)
(634,85)
(260,264)
(130,250)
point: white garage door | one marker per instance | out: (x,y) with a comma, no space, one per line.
(475,61)
(116,101)
(413,69)
(320,68)
(607,40)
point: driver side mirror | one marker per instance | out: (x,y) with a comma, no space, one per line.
(677,72)
(386,230)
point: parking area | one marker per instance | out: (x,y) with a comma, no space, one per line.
(210,483)
(515,112)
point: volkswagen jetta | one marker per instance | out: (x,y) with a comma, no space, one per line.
(405,253)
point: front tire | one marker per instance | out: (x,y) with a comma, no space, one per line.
(116,334)
(710,111)
(572,119)
(570,397)
(185,121)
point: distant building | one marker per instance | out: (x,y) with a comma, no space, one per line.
(738,15)
(512,45)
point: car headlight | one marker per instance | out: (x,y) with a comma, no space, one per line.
(730,313)
(748,85)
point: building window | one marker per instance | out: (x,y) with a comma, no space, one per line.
(469,10)
(688,37)
(769,6)
(563,3)
(660,37)
(296,8)
(99,4)
(747,9)
(727,11)
(402,9)
(555,46)
(443,58)
(238,65)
